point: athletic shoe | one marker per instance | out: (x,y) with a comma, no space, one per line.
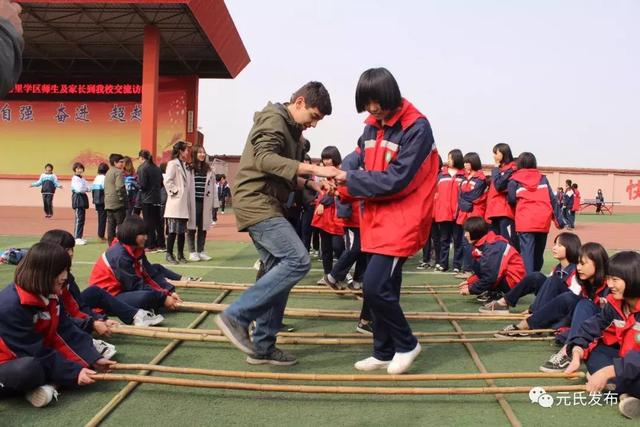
(456,270)
(192,278)
(222,212)
(204,257)
(423,266)
(276,357)
(463,275)
(371,364)
(237,334)
(494,307)
(42,396)
(556,363)
(483,297)
(194,256)
(181,259)
(510,332)
(401,362)
(214,222)
(287,328)
(146,318)
(349,278)
(440,268)
(80,242)
(364,328)
(171,259)
(355,285)
(629,406)
(105,349)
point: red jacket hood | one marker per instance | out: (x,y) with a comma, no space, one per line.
(530,178)
(407,115)
(510,165)
(490,237)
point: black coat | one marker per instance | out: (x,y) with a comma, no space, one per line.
(150,181)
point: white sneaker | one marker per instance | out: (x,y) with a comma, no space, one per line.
(256,265)
(194,256)
(42,396)
(356,286)
(204,257)
(401,362)
(213,222)
(147,318)
(371,364)
(81,242)
(322,282)
(349,279)
(105,349)
(629,406)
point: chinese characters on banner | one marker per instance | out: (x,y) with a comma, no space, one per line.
(118,113)
(633,189)
(76,89)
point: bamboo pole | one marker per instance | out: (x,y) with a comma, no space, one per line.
(300,289)
(313,341)
(122,394)
(188,284)
(296,388)
(352,314)
(216,332)
(348,377)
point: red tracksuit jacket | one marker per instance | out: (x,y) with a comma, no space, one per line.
(446,198)
(472,197)
(494,259)
(497,204)
(530,193)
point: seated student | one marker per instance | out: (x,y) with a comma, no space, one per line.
(497,266)
(124,271)
(566,248)
(326,220)
(40,348)
(472,202)
(608,341)
(529,191)
(555,302)
(80,305)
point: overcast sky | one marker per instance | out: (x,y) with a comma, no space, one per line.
(558,78)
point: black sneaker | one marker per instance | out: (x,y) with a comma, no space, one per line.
(511,331)
(236,333)
(276,357)
(287,328)
(171,259)
(365,328)
(557,363)
(483,297)
(182,259)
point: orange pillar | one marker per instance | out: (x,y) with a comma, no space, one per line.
(150,77)
(192,109)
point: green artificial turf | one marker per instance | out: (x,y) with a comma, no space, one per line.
(154,405)
(625,218)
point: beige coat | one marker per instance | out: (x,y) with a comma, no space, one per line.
(178,183)
(207,202)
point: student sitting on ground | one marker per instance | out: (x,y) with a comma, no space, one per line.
(40,348)
(555,302)
(608,341)
(81,305)
(497,266)
(124,271)
(566,248)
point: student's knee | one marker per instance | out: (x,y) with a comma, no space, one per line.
(29,373)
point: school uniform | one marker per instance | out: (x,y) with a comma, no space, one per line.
(125,273)
(529,191)
(397,184)
(48,183)
(499,212)
(567,204)
(497,266)
(79,203)
(613,338)
(97,195)
(533,282)
(472,202)
(36,333)
(444,214)
(331,231)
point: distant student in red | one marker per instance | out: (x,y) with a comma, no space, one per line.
(499,212)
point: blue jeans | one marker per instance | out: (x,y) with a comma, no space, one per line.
(532,250)
(391,331)
(286,262)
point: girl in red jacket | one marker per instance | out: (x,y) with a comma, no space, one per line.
(529,191)
(444,211)
(397,183)
(499,212)
(40,348)
(472,202)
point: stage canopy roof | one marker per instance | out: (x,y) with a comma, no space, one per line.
(80,38)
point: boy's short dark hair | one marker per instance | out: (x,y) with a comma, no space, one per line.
(103,168)
(38,270)
(59,237)
(131,227)
(315,96)
(474,160)
(378,84)
(574,186)
(457,157)
(115,158)
(503,148)
(477,227)
(572,244)
(568,182)
(626,266)
(526,160)
(332,152)
(48,165)
(77,165)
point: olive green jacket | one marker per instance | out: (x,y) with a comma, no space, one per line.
(268,167)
